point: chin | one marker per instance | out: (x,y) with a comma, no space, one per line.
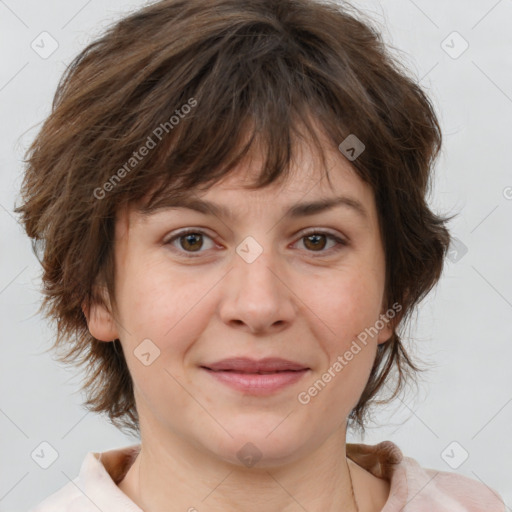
(257,444)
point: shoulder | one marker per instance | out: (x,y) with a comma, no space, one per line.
(449,491)
(418,489)
(72,497)
(95,488)
(67,499)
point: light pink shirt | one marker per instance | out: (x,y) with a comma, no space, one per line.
(412,488)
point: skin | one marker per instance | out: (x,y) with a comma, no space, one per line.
(287,303)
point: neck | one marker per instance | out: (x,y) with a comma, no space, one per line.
(173,476)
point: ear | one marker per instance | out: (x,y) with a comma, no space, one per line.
(389,317)
(385,333)
(100,321)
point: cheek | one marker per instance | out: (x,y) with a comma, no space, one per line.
(168,308)
(346,308)
(349,343)
(348,302)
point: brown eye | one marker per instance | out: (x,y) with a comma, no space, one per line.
(191,241)
(315,241)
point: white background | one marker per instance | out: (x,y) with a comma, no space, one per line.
(464,327)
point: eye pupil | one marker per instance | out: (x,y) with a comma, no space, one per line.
(316,237)
(189,237)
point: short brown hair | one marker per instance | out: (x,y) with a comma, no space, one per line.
(247,71)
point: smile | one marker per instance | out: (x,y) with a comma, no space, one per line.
(257,383)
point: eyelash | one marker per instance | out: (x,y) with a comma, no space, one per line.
(340,242)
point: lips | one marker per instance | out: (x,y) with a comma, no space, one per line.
(253,366)
(261,378)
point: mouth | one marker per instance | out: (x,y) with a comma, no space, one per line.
(253,377)
(262,366)
(254,373)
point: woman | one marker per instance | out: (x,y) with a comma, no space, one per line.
(231,198)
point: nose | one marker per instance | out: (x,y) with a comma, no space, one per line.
(257,295)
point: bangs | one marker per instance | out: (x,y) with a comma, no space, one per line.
(277,148)
(229,95)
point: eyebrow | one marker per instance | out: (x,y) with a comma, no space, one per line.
(295,211)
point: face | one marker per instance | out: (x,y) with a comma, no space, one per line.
(261,283)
